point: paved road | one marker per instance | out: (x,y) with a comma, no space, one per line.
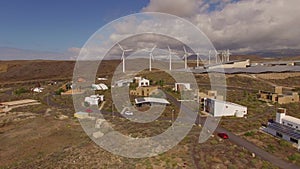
(258,151)
(233,138)
(246,144)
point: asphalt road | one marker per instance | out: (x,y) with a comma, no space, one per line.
(246,144)
(232,137)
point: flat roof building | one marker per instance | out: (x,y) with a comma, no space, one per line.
(278,96)
(143,91)
(219,108)
(94,99)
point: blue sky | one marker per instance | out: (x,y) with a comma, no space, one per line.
(61,26)
(57,25)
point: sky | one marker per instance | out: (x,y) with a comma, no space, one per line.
(57,29)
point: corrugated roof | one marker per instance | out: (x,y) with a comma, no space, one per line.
(151,100)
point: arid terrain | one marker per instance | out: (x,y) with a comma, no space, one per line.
(48,136)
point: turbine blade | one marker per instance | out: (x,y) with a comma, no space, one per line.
(169,49)
(153,48)
(184,49)
(120,46)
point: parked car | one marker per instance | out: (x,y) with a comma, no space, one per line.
(223,135)
(128,113)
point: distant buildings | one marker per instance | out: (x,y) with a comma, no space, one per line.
(38,89)
(278,96)
(285,127)
(143,91)
(122,83)
(143,88)
(94,99)
(219,108)
(150,101)
(182,86)
(230,64)
(212,94)
(143,82)
(100,86)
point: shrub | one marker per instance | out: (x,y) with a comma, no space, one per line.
(249,133)
(59,91)
(21,91)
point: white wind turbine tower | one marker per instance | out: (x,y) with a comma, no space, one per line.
(150,56)
(228,54)
(123,55)
(223,54)
(209,53)
(170,57)
(217,56)
(185,57)
(197,55)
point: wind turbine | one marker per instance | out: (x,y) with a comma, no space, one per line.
(197,54)
(185,57)
(123,55)
(209,53)
(228,54)
(170,57)
(150,56)
(217,56)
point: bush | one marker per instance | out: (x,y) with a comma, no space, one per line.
(59,91)
(21,91)
(294,157)
(249,133)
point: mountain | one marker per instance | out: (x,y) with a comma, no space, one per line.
(275,53)
(7,53)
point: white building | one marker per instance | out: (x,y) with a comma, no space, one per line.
(121,83)
(150,101)
(144,82)
(94,99)
(182,86)
(38,89)
(219,108)
(285,127)
(286,120)
(100,86)
(230,64)
(102,78)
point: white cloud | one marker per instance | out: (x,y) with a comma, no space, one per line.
(247,24)
(183,8)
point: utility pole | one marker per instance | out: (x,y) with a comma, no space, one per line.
(172,119)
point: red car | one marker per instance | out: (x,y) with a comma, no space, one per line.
(223,135)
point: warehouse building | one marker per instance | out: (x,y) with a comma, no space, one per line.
(150,101)
(219,108)
(230,64)
(285,127)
